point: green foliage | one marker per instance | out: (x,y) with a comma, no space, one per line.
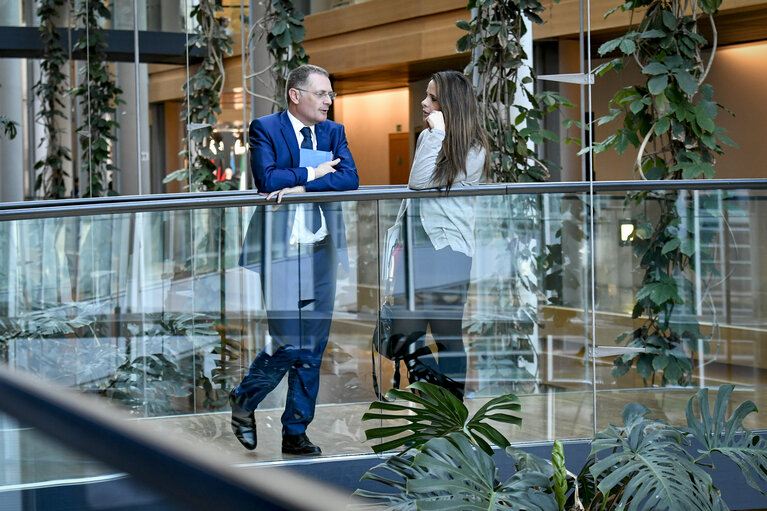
(283,27)
(159,373)
(560,474)
(644,464)
(494,37)
(439,414)
(99,97)
(718,434)
(670,119)
(447,462)
(665,249)
(8,126)
(646,460)
(50,88)
(203,101)
(161,381)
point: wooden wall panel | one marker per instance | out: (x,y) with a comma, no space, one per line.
(382,33)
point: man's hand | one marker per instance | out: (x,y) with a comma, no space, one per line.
(285,191)
(436,120)
(325,168)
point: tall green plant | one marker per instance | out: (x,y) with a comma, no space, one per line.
(99,97)
(202,102)
(494,37)
(50,88)
(283,26)
(670,119)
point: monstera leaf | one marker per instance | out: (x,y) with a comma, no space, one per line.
(451,473)
(394,473)
(726,436)
(438,414)
(463,477)
(649,468)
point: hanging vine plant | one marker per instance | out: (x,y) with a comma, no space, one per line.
(202,103)
(670,119)
(99,97)
(283,26)
(494,36)
(50,88)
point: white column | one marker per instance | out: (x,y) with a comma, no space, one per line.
(133,153)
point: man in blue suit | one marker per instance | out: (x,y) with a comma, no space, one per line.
(307,243)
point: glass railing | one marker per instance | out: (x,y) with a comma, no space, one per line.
(160,305)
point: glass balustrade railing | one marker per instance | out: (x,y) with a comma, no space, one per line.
(162,310)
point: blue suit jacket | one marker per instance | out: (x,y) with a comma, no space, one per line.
(274,160)
(274,156)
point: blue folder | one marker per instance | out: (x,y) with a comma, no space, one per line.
(312,158)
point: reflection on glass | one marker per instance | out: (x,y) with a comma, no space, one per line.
(153,310)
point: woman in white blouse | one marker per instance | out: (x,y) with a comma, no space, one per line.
(450,153)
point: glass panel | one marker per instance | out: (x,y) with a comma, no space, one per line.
(713,334)
(164,312)
(485,298)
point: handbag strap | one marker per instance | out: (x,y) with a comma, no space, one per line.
(376,388)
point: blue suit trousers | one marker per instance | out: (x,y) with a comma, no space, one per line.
(300,336)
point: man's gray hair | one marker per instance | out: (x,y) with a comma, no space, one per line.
(298,78)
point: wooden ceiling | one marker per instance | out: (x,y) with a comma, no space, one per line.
(384,44)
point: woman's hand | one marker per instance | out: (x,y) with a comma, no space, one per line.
(436,120)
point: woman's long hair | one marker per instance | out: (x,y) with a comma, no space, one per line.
(463,130)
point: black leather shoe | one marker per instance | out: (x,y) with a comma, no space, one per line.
(299,444)
(243,424)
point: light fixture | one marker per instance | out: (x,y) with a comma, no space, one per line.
(627,228)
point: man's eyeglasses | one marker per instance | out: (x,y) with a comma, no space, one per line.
(331,95)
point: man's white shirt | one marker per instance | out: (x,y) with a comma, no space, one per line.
(300,233)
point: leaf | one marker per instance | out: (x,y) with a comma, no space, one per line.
(655,68)
(560,474)
(609,46)
(704,120)
(652,34)
(438,414)
(707,91)
(687,247)
(661,126)
(728,436)
(463,25)
(686,82)
(645,466)
(628,46)
(670,245)
(669,20)
(279,27)
(463,44)
(461,477)
(657,84)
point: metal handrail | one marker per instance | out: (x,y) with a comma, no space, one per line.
(183,201)
(195,478)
